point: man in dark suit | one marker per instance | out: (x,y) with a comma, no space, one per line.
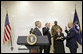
(71,38)
(47,33)
(38,32)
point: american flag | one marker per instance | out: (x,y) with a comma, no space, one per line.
(7,30)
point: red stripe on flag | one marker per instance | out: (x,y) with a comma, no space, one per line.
(6,35)
(9,26)
(8,31)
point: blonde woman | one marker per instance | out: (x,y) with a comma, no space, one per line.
(58,42)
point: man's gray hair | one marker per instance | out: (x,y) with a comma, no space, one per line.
(36,23)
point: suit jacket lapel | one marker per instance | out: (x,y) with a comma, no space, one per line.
(39,32)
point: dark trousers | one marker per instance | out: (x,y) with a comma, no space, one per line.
(47,49)
(73,50)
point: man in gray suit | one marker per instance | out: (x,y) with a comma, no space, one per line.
(38,32)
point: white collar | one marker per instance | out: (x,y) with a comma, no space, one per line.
(38,27)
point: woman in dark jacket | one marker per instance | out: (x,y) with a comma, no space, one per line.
(58,42)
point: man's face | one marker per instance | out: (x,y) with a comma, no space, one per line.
(39,24)
(55,22)
(69,25)
(48,25)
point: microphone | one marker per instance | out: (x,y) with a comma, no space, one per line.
(31,30)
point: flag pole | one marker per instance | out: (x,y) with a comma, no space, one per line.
(10,36)
(80,27)
(11,43)
(75,6)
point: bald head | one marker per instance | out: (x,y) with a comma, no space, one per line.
(70,24)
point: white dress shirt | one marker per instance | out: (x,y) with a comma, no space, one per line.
(40,30)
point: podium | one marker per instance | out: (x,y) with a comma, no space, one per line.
(41,41)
